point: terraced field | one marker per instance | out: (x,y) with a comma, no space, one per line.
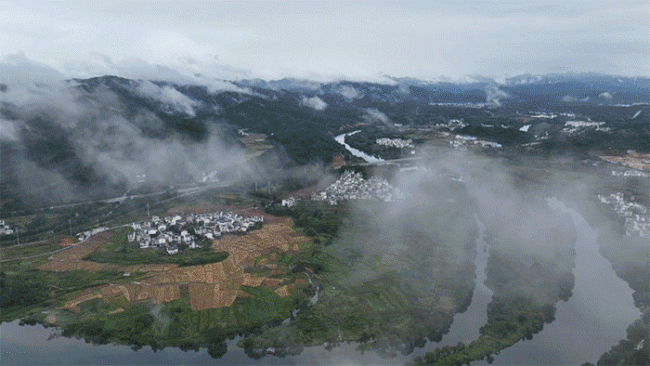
(72,259)
(210,286)
(275,236)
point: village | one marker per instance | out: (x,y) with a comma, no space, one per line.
(631,173)
(171,232)
(460,141)
(573,126)
(398,143)
(637,219)
(5,229)
(352,186)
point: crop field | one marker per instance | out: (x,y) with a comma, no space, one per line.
(256,144)
(274,236)
(208,273)
(201,206)
(209,286)
(213,296)
(72,259)
(633,160)
(15,252)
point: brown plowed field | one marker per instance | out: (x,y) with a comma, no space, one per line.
(66,242)
(210,286)
(283,291)
(276,236)
(72,259)
(72,305)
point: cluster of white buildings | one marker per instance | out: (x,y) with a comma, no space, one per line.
(453,124)
(5,229)
(352,186)
(88,233)
(460,141)
(209,176)
(542,115)
(170,231)
(398,143)
(465,105)
(637,219)
(289,202)
(631,173)
(574,126)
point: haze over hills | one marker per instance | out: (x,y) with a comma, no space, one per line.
(93,136)
(419,183)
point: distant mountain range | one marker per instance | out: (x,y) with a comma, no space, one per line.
(87,137)
(586,88)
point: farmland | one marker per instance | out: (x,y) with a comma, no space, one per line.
(117,250)
(213,285)
(104,288)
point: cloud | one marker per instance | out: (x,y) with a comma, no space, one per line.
(168,96)
(112,141)
(38,89)
(572,99)
(404,89)
(314,102)
(275,40)
(348,92)
(436,222)
(19,69)
(494,95)
(606,95)
(8,130)
(372,116)
(185,70)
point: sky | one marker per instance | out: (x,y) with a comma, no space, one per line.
(328,40)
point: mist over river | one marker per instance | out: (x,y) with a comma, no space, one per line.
(593,320)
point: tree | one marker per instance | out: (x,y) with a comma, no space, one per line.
(217,350)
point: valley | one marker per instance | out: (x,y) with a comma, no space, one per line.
(274,232)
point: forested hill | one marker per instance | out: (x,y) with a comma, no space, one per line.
(87,137)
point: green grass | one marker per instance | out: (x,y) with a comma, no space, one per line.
(28,250)
(28,291)
(175,323)
(509,321)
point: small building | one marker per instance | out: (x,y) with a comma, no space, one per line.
(289,202)
(172,250)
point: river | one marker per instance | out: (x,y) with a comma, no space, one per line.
(465,327)
(29,345)
(358,153)
(593,320)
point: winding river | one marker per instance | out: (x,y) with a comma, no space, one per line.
(29,345)
(593,320)
(465,327)
(358,153)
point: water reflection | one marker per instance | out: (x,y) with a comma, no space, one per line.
(465,327)
(593,320)
(358,153)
